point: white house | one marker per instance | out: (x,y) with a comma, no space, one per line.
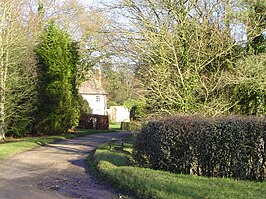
(118,114)
(92,91)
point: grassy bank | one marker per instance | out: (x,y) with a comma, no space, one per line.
(14,146)
(115,125)
(146,183)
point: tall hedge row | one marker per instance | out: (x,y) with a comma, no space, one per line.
(215,147)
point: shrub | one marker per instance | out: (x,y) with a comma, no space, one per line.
(131,126)
(92,121)
(135,125)
(139,107)
(125,126)
(247,88)
(215,147)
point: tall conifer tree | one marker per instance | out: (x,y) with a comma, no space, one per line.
(57,60)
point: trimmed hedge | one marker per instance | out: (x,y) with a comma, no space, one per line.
(92,121)
(215,147)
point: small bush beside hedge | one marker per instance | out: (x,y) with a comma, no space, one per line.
(131,126)
(215,147)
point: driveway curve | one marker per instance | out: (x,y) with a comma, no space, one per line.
(55,171)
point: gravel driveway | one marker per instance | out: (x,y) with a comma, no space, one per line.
(55,171)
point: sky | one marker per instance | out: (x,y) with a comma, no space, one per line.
(90,2)
(96,2)
(238,30)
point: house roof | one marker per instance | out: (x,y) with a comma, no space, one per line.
(93,86)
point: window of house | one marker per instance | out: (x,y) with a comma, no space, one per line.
(98,98)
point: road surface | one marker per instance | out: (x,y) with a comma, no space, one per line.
(55,171)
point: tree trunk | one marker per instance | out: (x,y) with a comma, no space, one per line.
(2,75)
(227,16)
(2,101)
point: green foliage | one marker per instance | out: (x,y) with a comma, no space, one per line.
(58,109)
(117,159)
(259,43)
(111,103)
(247,88)
(119,83)
(135,125)
(139,104)
(215,147)
(183,59)
(107,153)
(256,25)
(130,103)
(84,106)
(115,125)
(148,183)
(131,126)
(21,99)
(125,126)
(121,154)
(180,71)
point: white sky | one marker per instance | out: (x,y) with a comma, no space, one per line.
(96,2)
(90,2)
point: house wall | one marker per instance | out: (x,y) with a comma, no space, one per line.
(97,103)
(118,114)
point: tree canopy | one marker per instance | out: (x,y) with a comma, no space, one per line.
(186,52)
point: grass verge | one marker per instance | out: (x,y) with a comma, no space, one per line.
(115,125)
(146,183)
(14,146)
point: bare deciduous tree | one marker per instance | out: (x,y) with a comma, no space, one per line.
(182,49)
(14,50)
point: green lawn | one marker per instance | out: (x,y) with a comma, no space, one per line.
(14,146)
(147,183)
(115,125)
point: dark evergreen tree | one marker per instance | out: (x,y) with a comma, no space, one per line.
(58,110)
